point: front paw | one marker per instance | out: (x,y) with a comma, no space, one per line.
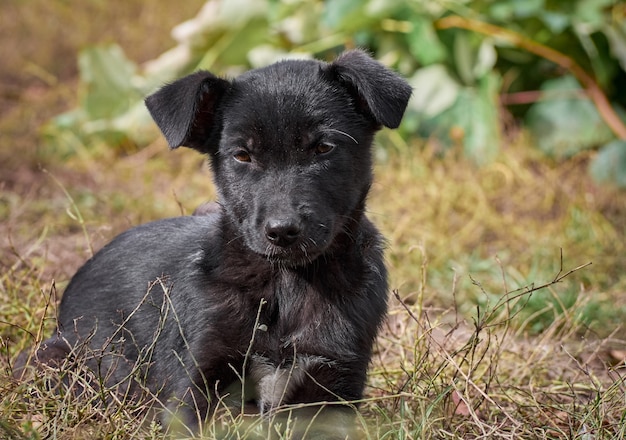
(317,423)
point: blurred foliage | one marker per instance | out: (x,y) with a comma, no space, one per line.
(555,67)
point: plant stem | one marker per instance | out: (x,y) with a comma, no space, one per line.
(591,86)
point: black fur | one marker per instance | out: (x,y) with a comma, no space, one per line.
(288,260)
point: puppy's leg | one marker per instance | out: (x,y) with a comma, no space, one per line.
(327,422)
(51,352)
(331,419)
(312,397)
(198,395)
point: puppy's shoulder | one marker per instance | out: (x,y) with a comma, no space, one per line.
(164,244)
(174,232)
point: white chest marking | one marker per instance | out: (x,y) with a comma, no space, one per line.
(274,383)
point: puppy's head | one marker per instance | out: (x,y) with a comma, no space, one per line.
(289,143)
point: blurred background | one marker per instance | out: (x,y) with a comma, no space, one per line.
(509,167)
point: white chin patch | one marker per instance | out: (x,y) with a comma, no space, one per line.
(274,383)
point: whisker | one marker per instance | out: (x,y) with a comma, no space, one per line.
(343,133)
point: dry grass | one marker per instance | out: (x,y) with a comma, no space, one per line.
(468,351)
(461,356)
(444,376)
(515,216)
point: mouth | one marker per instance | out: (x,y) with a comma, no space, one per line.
(297,251)
(292,256)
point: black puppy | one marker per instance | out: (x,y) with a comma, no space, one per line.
(284,285)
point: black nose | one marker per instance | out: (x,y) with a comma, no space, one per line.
(282,232)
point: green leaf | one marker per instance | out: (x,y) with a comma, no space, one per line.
(481,123)
(423,42)
(111,110)
(609,166)
(485,58)
(592,12)
(556,21)
(474,56)
(616,34)
(243,41)
(472,121)
(237,13)
(106,76)
(342,15)
(434,90)
(464,57)
(566,122)
(508,10)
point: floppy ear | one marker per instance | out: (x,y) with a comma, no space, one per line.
(186,109)
(381,92)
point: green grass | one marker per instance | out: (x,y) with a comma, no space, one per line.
(468,350)
(506,222)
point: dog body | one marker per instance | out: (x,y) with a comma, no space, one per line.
(282,283)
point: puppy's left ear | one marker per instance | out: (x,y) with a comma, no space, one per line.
(186,109)
(381,92)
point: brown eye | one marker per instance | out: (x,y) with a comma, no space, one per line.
(324,148)
(242,156)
